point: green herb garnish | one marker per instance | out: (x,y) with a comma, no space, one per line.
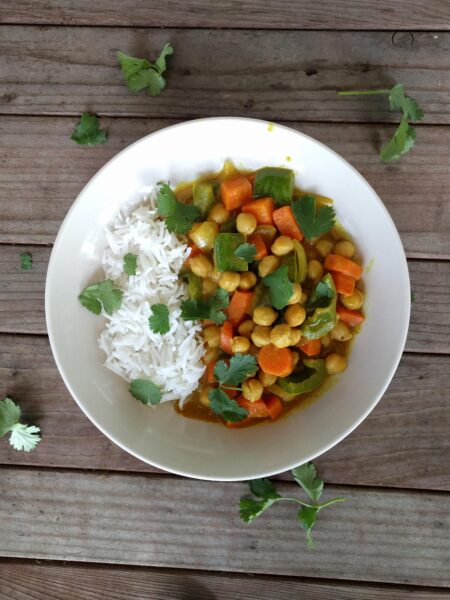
(101,295)
(178,217)
(145,391)
(130,263)
(87,131)
(246,251)
(225,407)
(313,220)
(26,261)
(265,491)
(281,288)
(159,320)
(210,309)
(413,297)
(23,437)
(141,74)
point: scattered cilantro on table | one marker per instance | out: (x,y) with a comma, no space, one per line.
(141,74)
(26,261)
(145,391)
(266,494)
(404,137)
(246,251)
(313,220)
(281,288)
(87,131)
(413,297)
(23,437)
(210,309)
(178,217)
(159,320)
(130,263)
(101,295)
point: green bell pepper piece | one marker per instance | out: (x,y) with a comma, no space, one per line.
(301,262)
(203,197)
(276,182)
(290,262)
(307,380)
(323,304)
(225,259)
(195,290)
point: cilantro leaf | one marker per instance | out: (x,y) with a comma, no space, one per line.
(246,251)
(225,407)
(241,366)
(281,289)
(209,308)
(145,391)
(23,437)
(401,142)
(178,217)
(313,220)
(306,476)
(320,296)
(249,508)
(263,488)
(413,297)
(141,74)
(399,101)
(130,263)
(87,131)
(26,261)
(159,320)
(101,295)
(307,517)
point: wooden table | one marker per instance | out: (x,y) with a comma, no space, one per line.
(79,518)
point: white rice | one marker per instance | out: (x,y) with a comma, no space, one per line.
(172,360)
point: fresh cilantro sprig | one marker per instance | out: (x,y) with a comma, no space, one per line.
(87,131)
(145,391)
(320,297)
(130,263)
(141,74)
(101,295)
(246,251)
(313,220)
(26,261)
(210,308)
(404,137)
(239,368)
(281,288)
(265,491)
(178,217)
(413,297)
(159,320)
(23,437)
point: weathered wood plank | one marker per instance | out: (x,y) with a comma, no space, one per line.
(290,75)
(247,14)
(377,535)
(37,187)
(24,580)
(22,299)
(403,443)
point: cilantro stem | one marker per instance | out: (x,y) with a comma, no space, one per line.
(363,92)
(318,506)
(229,387)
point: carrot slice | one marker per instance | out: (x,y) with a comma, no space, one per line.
(257,409)
(258,240)
(239,424)
(236,192)
(286,224)
(311,348)
(276,361)
(345,285)
(239,306)
(210,371)
(231,393)
(251,178)
(226,335)
(262,209)
(351,317)
(335,262)
(274,406)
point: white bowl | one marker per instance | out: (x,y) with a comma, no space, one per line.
(194,448)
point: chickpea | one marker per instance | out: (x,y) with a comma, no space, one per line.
(203,397)
(268,265)
(200,265)
(229,281)
(261,336)
(246,328)
(252,389)
(219,214)
(240,345)
(282,245)
(266,379)
(248,280)
(355,301)
(324,247)
(294,315)
(209,286)
(315,269)
(296,294)
(210,354)
(303,299)
(296,336)
(341,332)
(344,248)
(325,340)
(246,223)
(280,336)
(335,363)
(211,335)
(264,315)
(215,275)
(295,358)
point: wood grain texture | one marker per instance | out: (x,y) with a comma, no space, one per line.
(173,522)
(248,14)
(403,443)
(290,75)
(24,580)
(42,171)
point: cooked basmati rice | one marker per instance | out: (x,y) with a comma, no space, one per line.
(172,360)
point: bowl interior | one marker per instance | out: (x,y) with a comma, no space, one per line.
(160,436)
